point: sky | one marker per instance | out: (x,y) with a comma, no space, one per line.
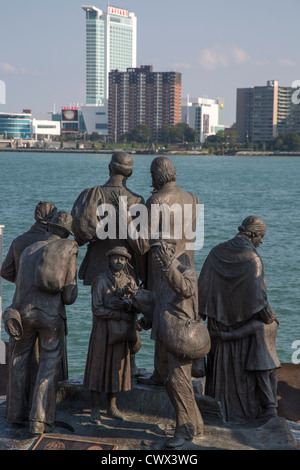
(218,46)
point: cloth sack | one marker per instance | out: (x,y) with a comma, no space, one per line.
(84,213)
(52,266)
(185,339)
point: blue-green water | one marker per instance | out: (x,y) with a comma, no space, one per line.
(230,188)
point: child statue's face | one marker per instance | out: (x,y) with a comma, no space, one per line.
(118,262)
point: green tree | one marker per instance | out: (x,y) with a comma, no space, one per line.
(166,134)
(141,133)
(175,134)
(285,143)
(233,139)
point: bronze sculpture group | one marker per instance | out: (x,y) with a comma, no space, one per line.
(154,276)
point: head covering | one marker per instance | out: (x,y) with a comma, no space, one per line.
(119,251)
(253,225)
(63,220)
(44,212)
(121,163)
(231,285)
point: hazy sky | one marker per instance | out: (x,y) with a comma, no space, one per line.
(218,46)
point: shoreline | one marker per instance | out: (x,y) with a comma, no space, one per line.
(148,152)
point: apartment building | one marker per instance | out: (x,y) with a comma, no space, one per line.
(142,96)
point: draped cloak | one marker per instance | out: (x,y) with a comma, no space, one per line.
(232,291)
(232,286)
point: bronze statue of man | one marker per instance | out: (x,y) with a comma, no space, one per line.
(243,327)
(175,296)
(45,283)
(43,214)
(85,221)
(167,193)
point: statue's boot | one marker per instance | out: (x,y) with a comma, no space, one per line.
(38,427)
(112,409)
(95,417)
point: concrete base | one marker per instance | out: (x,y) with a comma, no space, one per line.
(148,400)
(148,424)
(288,391)
(143,400)
(150,421)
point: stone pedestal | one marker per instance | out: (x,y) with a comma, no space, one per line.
(288,391)
(148,400)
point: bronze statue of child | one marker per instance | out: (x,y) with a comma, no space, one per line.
(113,334)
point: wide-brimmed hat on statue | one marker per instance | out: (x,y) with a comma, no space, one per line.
(62,219)
(119,251)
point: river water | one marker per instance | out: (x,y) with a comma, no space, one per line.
(230,188)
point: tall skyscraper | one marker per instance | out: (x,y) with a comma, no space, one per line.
(265,112)
(141,96)
(111,40)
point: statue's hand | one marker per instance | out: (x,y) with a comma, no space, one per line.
(163,255)
(121,304)
(215,334)
(129,317)
(116,304)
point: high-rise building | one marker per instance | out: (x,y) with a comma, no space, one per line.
(265,112)
(204,115)
(111,40)
(141,96)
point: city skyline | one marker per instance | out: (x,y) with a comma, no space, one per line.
(217,49)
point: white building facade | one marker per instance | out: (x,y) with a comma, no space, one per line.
(44,129)
(204,115)
(111,43)
(96,119)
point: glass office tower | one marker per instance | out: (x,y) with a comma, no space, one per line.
(110,45)
(16,125)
